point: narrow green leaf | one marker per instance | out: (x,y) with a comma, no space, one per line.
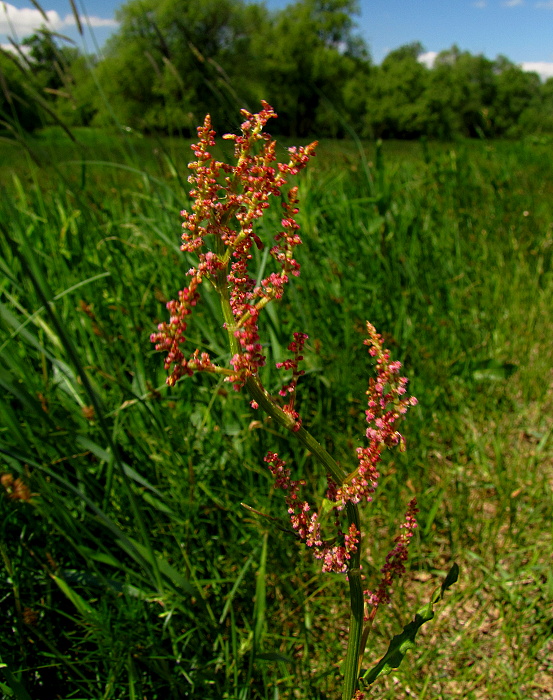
(274,656)
(83,578)
(86,610)
(404,641)
(260,595)
(17,690)
(179,582)
(105,455)
(76,16)
(234,588)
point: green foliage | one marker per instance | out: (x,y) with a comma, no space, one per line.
(405,641)
(461,95)
(44,83)
(461,90)
(172,62)
(516,92)
(50,63)
(395,106)
(18,110)
(308,54)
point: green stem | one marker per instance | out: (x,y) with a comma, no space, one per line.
(357,607)
(261,396)
(268,404)
(221,287)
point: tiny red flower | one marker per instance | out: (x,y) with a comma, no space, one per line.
(227,202)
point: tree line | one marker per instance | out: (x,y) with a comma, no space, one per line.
(171,62)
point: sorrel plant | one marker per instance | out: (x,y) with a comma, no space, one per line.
(220,229)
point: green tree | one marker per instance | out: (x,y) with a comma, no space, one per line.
(517,92)
(61,76)
(18,109)
(395,106)
(461,91)
(75,100)
(50,62)
(309,57)
(173,61)
(537,118)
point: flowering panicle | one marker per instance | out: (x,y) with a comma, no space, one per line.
(306,523)
(219,231)
(387,403)
(395,561)
(228,200)
(289,389)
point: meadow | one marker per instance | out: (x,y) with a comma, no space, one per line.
(133,571)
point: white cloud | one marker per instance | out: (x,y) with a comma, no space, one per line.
(547,5)
(69,21)
(11,48)
(513,3)
(543,68)
(480,4)
(25,21)
(428,58)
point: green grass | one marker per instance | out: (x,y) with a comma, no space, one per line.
(134,571)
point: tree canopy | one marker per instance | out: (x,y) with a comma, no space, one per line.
(173,61)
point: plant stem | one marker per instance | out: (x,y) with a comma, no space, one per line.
(268,404)
(258,392)
(356,615)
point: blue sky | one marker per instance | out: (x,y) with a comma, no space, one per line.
(522,30)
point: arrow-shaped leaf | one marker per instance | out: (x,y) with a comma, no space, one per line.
(404,641)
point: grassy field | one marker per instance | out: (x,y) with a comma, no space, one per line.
(134,572)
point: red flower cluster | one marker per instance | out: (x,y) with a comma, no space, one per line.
(387,403)
(228,199)
(306,522)
(296,346)
(227,202)
(395,561)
